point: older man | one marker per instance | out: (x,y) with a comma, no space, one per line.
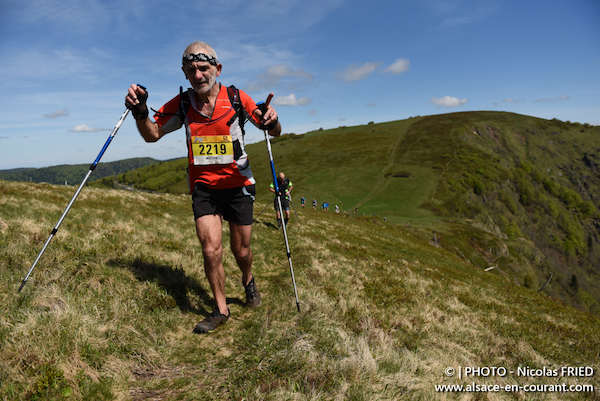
(221,182)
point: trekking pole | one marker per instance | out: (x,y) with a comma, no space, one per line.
(287,246)
(295,211)
(263,210)
(92,168)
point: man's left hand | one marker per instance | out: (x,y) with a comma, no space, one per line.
(267,114)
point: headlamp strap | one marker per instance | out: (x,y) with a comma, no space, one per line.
(200,57)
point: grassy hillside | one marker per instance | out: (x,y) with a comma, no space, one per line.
(525,189)
(108,312)
(73,174)
(163,176)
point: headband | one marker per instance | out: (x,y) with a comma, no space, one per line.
(200,57)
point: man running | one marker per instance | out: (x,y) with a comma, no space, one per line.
(221,183)
(285,188)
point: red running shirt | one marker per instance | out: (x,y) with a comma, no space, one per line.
(217,156)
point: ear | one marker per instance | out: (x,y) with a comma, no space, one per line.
(219,68)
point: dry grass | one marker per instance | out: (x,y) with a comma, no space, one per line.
(108,312)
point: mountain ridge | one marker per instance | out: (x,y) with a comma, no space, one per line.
(521,183)
(73,174)
(524,180)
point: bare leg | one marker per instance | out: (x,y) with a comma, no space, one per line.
(210,234)
(240,247)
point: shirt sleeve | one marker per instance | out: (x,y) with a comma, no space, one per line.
(167,117)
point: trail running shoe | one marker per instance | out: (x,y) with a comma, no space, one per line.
(252,294)
(212,321)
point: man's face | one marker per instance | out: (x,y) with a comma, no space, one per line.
(202,75)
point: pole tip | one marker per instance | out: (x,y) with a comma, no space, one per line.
(22,285)
(298,306)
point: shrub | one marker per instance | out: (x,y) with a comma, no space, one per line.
(587,208)
(513,231)
(570,197)
(402,173)
(508,202)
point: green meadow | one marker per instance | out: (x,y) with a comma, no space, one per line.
(475,244)
(109,311)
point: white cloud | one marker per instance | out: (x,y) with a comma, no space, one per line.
(356,73)
(277,75)
(284,70)
(401,65)
(291,100)
(448,101)
(509,100)
(85,128)
(457,13)
(552,100)
(57,113)
(286,16)
(70,14)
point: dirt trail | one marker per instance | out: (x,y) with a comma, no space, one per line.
(381,177)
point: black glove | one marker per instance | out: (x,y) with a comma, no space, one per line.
(262,106)
(136,109)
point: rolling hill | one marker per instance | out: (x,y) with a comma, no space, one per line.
(73,174)
(515,193)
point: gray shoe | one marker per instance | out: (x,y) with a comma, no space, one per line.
(211,322)
(252,294)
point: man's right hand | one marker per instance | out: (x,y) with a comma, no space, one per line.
(136,101)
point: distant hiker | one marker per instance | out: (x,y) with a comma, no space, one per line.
(337,209)
(303,202)
(285,188)
(221,183)
(325,206)
(314,204)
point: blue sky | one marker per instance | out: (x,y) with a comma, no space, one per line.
(66,65)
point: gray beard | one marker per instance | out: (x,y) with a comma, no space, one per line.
(210,84)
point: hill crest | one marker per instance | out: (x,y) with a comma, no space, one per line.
(528,187)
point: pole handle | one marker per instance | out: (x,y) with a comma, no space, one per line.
(269,99)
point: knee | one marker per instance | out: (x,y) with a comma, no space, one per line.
(241,252)
(212,252)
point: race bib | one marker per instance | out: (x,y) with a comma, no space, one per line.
(212,149)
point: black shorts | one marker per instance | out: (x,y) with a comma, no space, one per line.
(285,203)
(234,204)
